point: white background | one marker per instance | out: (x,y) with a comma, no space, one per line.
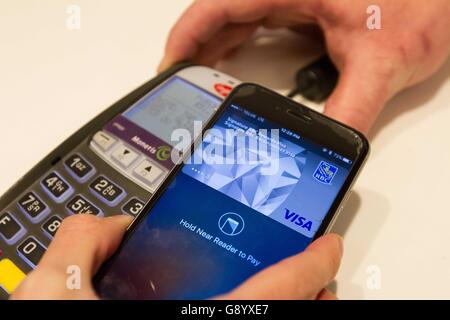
(53,80)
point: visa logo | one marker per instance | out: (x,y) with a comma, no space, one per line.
(297,219)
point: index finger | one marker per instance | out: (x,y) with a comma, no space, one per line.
(203,19)
(86,241)
(82,243)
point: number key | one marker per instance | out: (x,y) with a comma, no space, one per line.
(31,251)
(79,205)
(133,207)
(107,191)
(33,207)
(79,168)
(56,187)
(52,225)
(10,228)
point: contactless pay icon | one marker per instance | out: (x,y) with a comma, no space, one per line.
(231,224)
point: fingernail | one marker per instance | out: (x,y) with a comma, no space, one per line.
(340,243)
(164,64)
(122,218)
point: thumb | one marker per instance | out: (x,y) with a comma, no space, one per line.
(302,276)
(82,243)
(361,93)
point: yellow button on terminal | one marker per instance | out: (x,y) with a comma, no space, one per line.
(10,275)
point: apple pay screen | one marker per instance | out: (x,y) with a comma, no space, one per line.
(256,201)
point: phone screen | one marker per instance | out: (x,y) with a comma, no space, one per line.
(251,194)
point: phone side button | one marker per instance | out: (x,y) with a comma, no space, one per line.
(338,212)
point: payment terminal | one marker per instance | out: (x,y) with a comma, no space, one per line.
(111,166)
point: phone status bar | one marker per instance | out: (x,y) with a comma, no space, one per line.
(336,156)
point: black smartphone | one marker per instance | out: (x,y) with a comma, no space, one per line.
(268,177)
(111,166)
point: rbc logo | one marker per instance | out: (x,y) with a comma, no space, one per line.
(325,172)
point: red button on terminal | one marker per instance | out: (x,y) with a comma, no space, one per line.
(223,89)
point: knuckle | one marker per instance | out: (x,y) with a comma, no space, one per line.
(330,266)
(86,224)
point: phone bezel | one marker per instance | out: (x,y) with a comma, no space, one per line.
(252,96)
(313,126)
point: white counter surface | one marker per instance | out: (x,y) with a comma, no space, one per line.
(53,80)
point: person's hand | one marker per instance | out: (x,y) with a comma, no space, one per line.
(303,276)
(87,241)
(374,65)
(84,241)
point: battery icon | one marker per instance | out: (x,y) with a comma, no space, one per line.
(347,160)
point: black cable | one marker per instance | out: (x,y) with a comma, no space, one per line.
(316,81)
